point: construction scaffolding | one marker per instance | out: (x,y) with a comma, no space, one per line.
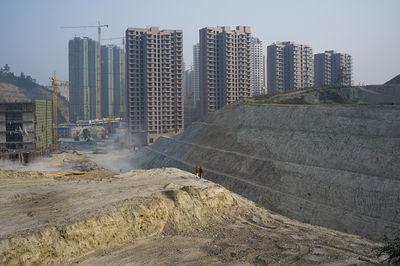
(43,124)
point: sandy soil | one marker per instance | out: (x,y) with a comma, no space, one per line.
(160,216)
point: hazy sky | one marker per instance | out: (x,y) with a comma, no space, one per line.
(31,39)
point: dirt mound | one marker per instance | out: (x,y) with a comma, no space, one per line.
(46,220)
(169,212)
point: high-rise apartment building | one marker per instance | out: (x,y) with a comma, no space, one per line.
(119,82)
(188,95)
(84,78)
(94,79)
(196,74)
(257,61)
(154,82)
(107,81)
(290,66)
(224,66)
(331,68)
(96,89)
(113,99)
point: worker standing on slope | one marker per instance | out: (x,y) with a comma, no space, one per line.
(200,170)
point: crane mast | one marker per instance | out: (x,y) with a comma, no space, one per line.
(55,83)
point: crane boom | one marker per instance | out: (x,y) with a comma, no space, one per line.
(77,27)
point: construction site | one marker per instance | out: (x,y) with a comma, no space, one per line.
(200,133)
(321,190)
(26,127)
(67,209)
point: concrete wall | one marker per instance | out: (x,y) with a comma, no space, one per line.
(336,166)
(28,117)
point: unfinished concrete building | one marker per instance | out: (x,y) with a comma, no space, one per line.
(342,69)
(290,66)
(224,66)
(154,83)
(332,69)
(26,127)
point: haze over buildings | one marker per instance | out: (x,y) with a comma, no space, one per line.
(356,27)
(96,89)
(113,100)
(196,74)
(84,78)
(188,95)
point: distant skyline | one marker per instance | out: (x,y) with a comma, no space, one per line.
(32,42)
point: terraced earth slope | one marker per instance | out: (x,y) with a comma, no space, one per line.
(335,165)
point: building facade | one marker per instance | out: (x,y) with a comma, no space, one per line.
(224,66)
(332,69)
(154,70)
(84,79)
(290,66)
(94,79)
(119,82)
(25,126)
(342,69)
(107,81)
(113,102)
(188,96)
(196,74)
(257,61)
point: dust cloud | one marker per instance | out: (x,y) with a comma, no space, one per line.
(113,154)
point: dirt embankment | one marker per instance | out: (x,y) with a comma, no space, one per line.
(170,211)
(158,216)
(332,165)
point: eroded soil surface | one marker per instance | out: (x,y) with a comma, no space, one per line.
(93,216)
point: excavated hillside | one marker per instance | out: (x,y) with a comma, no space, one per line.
(74,212)
(326,157)
(395,80)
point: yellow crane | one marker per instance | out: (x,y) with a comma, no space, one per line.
(98,91)
(55,83)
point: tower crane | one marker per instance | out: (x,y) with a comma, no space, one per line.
(55,83)
(98,91)
(98,26)
(116,38)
